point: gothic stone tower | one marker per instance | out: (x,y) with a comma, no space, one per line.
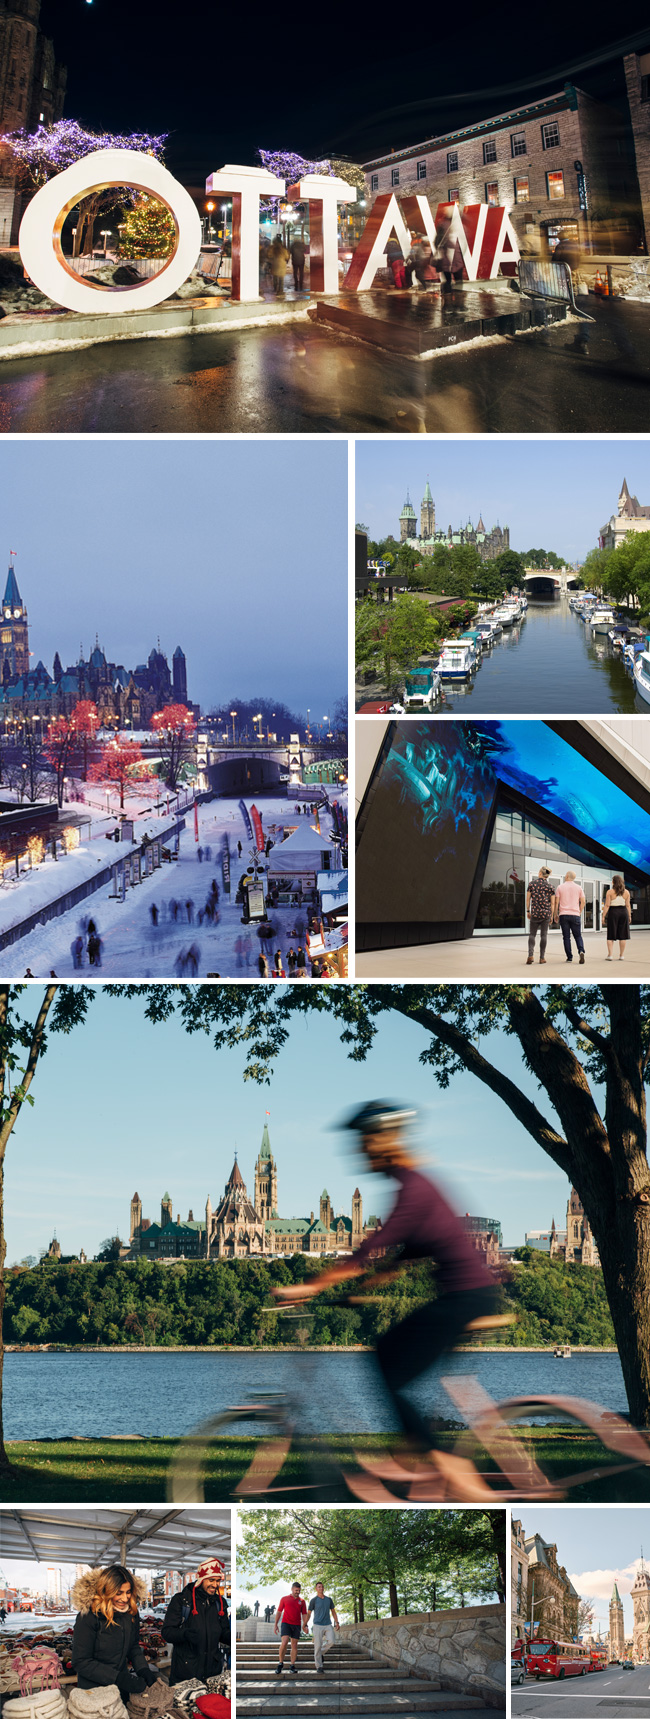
(265,1197)
(136,1217)
(408,525)
(166,1213)
(580,1245)
(357,1219)
(616,1626)
(325,1210)
(427,514)
(641,1605)
(14,636)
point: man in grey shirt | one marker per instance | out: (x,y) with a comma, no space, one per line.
(324,1611)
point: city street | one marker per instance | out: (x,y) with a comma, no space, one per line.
(610,1694)
(571,377)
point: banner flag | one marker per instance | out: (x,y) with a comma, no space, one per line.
(247,823)
(257,826)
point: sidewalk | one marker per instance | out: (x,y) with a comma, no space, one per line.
(494,958)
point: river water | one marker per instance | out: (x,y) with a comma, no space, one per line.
(549,664)
(164,1395)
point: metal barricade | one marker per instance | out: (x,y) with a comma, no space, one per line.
(544,277)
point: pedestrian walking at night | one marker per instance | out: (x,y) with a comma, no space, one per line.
(395,258)
(199,853)
(278,964)
(239,951)
(540,907)
(248,948)
(77,951)
(262,965)
(279,261)
(192,959)
(239,849)
(617,913)
(208,855)
(298,254)
(154,914)
(292,961)
(189,909)
(95,949)
(449,256)
(569,903)
(173,908)
(180,963)
(302,968)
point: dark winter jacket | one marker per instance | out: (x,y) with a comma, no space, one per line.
(102,1653)
(199,1628)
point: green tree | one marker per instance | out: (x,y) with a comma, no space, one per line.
(408,632)
(510,566)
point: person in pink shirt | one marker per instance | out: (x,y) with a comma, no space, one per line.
(569,903)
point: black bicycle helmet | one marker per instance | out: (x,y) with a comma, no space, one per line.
(372,1118)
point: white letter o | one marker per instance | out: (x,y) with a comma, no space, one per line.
(40,231)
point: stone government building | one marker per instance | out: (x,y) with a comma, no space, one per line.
(126,698)
(489,543)
(241,1228)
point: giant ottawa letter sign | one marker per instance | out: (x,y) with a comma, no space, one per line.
(485,235)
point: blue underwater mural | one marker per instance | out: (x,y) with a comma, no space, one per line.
(531,758)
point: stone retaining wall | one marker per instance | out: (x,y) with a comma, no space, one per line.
(463,1651)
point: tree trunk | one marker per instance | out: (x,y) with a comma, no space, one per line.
(362,1615)
(392,1594)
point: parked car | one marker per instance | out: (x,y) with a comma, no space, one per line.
(517,1671)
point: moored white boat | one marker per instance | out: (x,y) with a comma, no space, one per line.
(457,662)
(601,619)
(642,675)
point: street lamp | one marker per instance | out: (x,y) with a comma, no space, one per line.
(209,207)
(233,714)
(105,234)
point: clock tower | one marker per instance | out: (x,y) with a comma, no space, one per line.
(14,635)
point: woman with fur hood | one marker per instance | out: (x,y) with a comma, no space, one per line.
(106,1639)
(197,1624)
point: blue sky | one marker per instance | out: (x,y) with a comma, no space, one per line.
(236,550)
(122,1105)
(554,493)
(597,1547)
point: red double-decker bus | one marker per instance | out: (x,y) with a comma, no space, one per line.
(546,1658)
(598,1657)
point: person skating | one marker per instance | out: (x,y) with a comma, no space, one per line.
(569,903)
(293,1612)
(106,1637)
(540,907)
(422,1226)
(197,1625)
(324,1612)
(617,913)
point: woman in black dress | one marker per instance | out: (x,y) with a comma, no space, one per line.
(617,913)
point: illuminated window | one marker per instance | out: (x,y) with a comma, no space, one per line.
(522,190)
(454,194)
(555,185)
(394,175)
(550,135)
(374,181)
(422,169)
(518,142)
(489,150)
(492,191)
(452,160)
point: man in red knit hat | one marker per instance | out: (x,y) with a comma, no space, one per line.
(293,1612)
(197,1624)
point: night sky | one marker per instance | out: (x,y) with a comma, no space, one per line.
(323,81)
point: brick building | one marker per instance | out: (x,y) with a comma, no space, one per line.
(518,1581)
(564,168)
(553,1602)
(637,78)
(32,93)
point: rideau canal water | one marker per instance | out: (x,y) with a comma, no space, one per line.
(548,664)
(164,1395)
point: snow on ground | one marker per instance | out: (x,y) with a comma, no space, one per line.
(132,948)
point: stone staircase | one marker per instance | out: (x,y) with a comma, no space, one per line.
(352,1683)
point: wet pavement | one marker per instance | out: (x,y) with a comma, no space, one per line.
(306,379)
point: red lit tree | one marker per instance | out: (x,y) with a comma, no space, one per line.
(174,728)
(84,721)
(57,749)
(117,763)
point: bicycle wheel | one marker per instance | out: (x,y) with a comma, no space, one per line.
(239,1452)
(532,1438)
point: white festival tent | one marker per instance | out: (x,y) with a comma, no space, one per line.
(302,852)
(143,1539)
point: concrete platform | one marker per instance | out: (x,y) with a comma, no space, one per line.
(494,958)
(26,335)
(420,325)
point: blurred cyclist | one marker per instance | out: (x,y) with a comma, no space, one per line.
(421,1225)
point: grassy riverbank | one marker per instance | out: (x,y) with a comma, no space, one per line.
(120,1469)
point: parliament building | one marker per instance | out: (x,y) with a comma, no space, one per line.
(489,543)
(239,1227)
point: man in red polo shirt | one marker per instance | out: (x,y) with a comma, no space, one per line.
(293,1612)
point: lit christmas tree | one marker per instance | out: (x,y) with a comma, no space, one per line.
(148,229)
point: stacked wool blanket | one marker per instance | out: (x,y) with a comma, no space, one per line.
(185,1693)
(220,1685)
(104,1703)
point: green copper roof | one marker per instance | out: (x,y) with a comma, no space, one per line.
(265,1148)
(427,494)
(616,1595)
(407,512)
(324,1195)
(12,597)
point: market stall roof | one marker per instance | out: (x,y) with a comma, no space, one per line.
(146,1539)
(301,851)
